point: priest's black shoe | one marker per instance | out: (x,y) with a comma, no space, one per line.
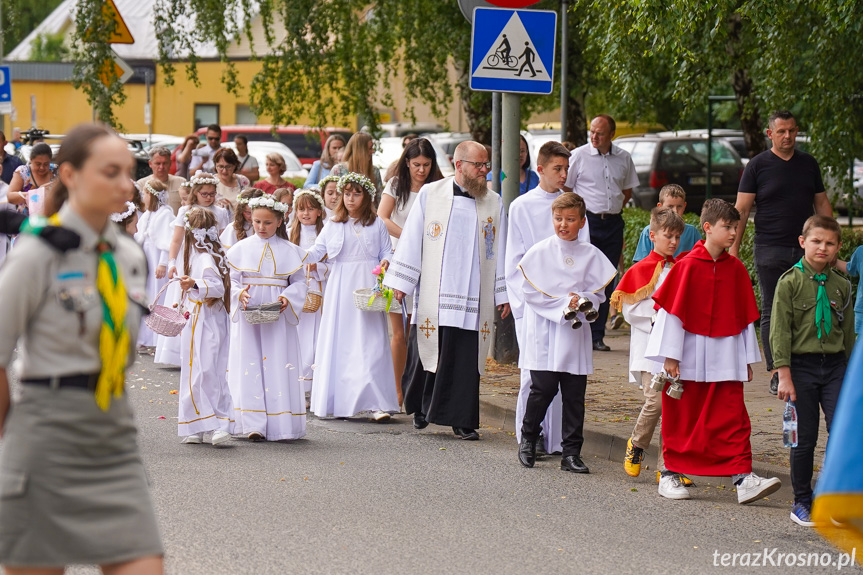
(540,446)
(420,421)
(527,452)
(573,463)
(599,345)
(466,433)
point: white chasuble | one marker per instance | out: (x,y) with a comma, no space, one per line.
(454,244)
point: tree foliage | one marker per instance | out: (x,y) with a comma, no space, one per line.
(48,48)
(20,17)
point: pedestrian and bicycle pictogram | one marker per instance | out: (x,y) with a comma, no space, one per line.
(513,50)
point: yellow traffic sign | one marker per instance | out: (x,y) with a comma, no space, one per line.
(115,68)
(120,33)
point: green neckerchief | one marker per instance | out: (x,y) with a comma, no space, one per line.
(822,302)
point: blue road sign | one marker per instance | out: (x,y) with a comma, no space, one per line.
(513,50)
(5,84)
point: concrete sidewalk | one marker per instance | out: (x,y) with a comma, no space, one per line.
(612,407)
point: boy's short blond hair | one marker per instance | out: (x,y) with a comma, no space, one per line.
(823,222)
(569,201)
(671,191)
(666,219)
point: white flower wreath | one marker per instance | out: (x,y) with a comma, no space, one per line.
(359,179)
(203,178)
(268,202)
(308,192)
(120,216)
(162,196)
(326,180)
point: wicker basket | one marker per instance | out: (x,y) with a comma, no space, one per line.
(264,313)
(314,298)
(165,320)
(379,303)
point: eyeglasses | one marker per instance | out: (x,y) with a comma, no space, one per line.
(223,167)
(207,195)
(479,165)
(214,139)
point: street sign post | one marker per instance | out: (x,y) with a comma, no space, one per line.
(5,90)
(513,50)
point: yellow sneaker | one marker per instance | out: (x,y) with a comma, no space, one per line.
(632,461)
(683,479)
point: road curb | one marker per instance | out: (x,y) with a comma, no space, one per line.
(613,448)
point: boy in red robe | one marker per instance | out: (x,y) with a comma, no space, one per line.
(704,334)
(632,298)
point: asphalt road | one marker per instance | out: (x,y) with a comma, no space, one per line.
(361,497)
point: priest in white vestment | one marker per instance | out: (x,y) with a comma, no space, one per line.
(451,251)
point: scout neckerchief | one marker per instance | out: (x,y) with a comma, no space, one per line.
(822,302)
(113,337)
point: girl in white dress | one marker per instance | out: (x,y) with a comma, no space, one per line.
(264,363)
(330,193)
(154,234)
(308,223)
(203,194)
(205,401)
(242,225)
(354,370)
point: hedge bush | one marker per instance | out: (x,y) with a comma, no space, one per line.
(636,219)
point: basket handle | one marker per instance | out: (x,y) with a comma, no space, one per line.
(307,269)
(162,291)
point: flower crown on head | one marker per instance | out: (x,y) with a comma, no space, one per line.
(358,179)
(308,192)
(330,178)
(120,216)
(162,196)
(270,203)
(203,178)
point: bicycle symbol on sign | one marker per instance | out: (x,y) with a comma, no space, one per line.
(502,55)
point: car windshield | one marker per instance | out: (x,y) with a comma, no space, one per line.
(641,152)
(693,154)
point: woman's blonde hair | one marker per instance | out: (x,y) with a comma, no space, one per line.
(278,160)
(357,157)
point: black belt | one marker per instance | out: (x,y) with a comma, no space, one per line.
(603,216)
(83,381)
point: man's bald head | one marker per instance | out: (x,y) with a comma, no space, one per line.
(471,151)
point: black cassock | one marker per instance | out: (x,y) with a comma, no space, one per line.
(450,396)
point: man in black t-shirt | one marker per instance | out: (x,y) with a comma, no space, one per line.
(785,184)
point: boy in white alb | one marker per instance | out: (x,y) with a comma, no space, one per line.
(560,273)
(528,224)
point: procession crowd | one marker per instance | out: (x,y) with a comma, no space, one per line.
(363,296)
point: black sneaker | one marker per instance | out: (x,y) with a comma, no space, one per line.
(774,383)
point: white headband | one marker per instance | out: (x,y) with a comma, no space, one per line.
(268,202)
(120,216)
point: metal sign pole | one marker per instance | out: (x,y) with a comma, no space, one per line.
(495,140)
(564,88)
(509,147)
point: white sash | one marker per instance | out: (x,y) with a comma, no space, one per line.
(437,216)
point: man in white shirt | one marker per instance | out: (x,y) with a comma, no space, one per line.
(160,163)
(202,158)
(604,176)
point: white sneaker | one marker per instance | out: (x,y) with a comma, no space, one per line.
(380,416)
(671,487)
(220,437)
(753,488)
(193,439)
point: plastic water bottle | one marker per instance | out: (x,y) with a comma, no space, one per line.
(789,425)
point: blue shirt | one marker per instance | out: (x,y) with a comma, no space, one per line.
(855,267)
(529,183)
(10,164)
(316,174)
(688,238)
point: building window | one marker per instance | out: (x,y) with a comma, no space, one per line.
(245,115)
(206,114)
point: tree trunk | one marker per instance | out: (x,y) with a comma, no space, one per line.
(741,82)
(576,116)
(476,106)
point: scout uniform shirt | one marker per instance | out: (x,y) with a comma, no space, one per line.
(792,324)
(51,303)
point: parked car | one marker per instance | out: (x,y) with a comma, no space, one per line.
(305,142)
(400,129)
(259,151)
(447,140)
(668,158)
(388,150)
